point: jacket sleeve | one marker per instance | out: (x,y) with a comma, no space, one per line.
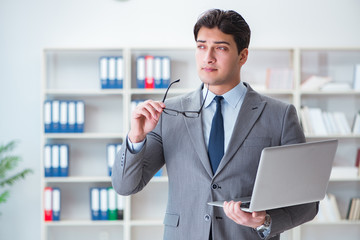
(132,171)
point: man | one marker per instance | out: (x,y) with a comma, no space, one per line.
(211,153)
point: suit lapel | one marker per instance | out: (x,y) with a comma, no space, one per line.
(195,128)
(250,111)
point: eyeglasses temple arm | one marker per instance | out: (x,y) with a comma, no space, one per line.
(202,105)
(176,81)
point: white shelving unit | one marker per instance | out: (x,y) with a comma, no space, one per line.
(73,74)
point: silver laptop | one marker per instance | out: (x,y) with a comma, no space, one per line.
(290,175)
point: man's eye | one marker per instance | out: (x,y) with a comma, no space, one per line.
(201,46)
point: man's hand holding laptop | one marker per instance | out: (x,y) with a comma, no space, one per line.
(249,219)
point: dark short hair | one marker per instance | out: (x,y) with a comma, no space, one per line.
(228,22)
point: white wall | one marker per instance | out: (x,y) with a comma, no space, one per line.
(28,26)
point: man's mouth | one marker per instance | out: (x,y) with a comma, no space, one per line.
(209,69)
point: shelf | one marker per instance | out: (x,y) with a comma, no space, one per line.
(77,223)
(345,179)
(160,91)
(351,136)
(83,135)
(330,93)
(341,222)
(76,179)
(162,179)
(89,92)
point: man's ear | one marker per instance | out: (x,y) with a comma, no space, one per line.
(243,56)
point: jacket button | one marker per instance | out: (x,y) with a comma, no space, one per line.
(207,217)
(215,186)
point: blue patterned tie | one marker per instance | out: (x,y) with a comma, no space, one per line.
(216,139)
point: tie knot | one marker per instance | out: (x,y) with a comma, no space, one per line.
(218,99)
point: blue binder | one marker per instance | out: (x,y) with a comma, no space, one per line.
(165,71)
(103,204)
(140,72)
(157,72)
(64,117)
(103,71)
(47,160)
(95,203)
(119,72)
(64,160)
(110,156)
(56,204)
(111,72)
(111,150)
(80,116)
(47,116)
(159,173)
(55,116)
(55,160)
(71,116)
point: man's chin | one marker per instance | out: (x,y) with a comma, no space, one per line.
(211,82)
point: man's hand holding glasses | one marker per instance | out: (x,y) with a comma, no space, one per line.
(147,114)
(144,119)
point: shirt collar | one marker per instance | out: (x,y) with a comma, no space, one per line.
(232,97)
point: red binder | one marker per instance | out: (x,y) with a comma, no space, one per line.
(149,69)
(48,204)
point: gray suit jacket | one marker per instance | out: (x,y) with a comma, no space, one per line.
(179,143)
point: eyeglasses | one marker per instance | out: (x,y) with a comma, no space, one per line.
(188,114)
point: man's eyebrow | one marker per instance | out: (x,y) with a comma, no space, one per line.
(216,42)
(222,42)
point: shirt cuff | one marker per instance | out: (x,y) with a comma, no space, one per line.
(135,147)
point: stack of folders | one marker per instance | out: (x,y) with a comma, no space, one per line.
(52,204)
(316,121)
(111,72)
(64,116)
(353,213)
(112,150)
(106,204)
(56,160)
(152,71)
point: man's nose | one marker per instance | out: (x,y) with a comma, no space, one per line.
(209,56)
